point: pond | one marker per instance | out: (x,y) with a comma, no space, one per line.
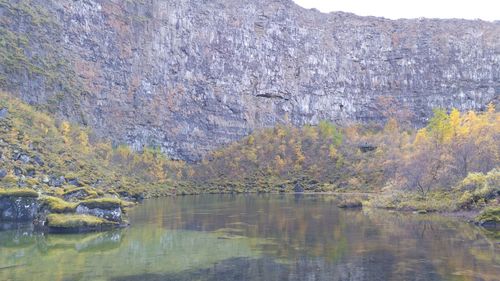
(257,237)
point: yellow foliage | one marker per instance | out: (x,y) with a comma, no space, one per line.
(65,131)
(332,151)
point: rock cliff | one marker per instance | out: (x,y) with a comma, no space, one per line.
(191,75)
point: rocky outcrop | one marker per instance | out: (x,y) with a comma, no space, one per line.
(189,76)
(108,213)
(18,208)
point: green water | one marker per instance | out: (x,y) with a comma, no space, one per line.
(257,237)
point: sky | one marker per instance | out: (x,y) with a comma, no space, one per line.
(393,9)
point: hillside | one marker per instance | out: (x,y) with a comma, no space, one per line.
(190,76)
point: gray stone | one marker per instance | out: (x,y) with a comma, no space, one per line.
(114,214)
(18,208)
(38,160)
(74,182)
(3,173)
(18,171)
(3,113)
(30,173)
(24,158)
(57,181)
(298,187)
(76,195)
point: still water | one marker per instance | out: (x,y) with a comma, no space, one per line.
(257,237)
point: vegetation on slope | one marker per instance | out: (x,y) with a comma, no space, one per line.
(69,167)
(60,159)
(451,164)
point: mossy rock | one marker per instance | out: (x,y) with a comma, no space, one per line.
(18,192)
(57,205)
(103,203)
(72,223)
(489,217)
(80,193)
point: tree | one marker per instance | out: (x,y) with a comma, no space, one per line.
(66,131)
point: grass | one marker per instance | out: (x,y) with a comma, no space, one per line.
(89,193)
(64,221)
(103,203)
(57,205)
(18,192)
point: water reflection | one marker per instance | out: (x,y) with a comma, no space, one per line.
(257,237)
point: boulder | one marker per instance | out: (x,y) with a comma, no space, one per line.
(18,171)
(75,182)
(3,113)
(106,208)
(24,158)
(18,205)
(298,187)
(57,181)
(108,214)
(78,194)
(30,173)
(3,173)
(38,160)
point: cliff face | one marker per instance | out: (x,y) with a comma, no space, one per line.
(191,75)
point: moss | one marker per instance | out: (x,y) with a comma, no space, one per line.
(57,205)
(88,192)
(73,221)
(18,192)
(103,203)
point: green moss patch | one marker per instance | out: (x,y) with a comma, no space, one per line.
(15,192)
(64,221)
(103,203)
(57,205)
(85,192)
